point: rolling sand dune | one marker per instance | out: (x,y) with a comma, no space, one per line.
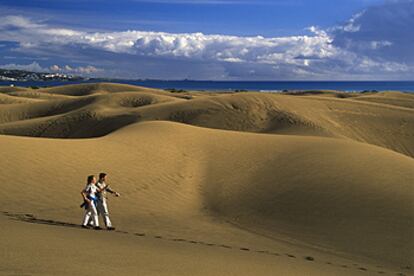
(391,98)
(102,108)
(212,184)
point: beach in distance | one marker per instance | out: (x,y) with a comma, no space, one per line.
(304,182)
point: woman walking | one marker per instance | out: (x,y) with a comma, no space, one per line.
(90,197)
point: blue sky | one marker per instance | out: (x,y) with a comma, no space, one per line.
(211,39)
(239,17)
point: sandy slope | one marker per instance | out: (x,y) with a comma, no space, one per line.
(329,191)
(98,109)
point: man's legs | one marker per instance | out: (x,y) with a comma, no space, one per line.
(103,210)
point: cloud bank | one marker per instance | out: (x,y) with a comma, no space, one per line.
(374,44)
(32,67)
(82,70)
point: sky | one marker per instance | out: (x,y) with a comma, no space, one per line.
(211,39)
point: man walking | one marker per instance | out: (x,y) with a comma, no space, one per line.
(102,197)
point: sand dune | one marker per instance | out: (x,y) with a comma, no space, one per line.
(103,108)
(300,185)
(391,98)
(8,89)
(7,99)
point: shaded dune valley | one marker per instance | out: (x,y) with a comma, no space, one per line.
(310,183)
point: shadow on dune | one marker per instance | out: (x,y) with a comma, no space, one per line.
(32,219)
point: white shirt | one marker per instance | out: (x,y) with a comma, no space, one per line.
(92,190)
(102,194)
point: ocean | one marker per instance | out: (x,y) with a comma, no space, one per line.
(349,86)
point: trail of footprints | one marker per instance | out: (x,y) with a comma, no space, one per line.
(32,219)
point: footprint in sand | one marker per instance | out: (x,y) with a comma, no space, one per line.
(291,256)
(178,240)
(244,249)
(309,258)
(139,234)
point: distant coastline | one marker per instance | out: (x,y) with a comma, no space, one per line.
(223,86)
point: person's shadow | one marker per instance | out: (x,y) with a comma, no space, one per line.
(32,219)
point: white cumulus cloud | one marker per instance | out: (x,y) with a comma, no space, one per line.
(185,45)
(33,67)
(83,70)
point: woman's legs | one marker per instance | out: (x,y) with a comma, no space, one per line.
(91,213)
(94,213)
(86,217)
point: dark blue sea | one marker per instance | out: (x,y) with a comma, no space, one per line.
(406,86)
